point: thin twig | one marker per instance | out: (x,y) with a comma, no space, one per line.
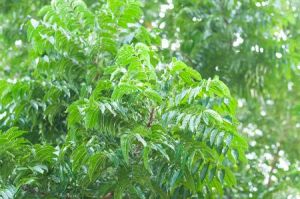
(151,118)
(273,165)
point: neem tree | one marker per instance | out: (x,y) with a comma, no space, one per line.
(253,45)
(106,118)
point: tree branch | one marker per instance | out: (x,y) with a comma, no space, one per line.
(151,118)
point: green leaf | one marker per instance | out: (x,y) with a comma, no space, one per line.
(146,159)
(213,136)
(206,133)
(192,125)
(229,177)
(220,137)
(219,87)
(153,95)
(39,168)
(175,177)
(126,141)
(204,171)
(212,173)
(189,181)
(102,85)
(96,163)
(141,139)
(193,73)
(79,157)
(221,175)
(235,154)
(123,89)
(92,117)
(209,113)
(228,139)
(185,121)
(159,148)
(177,66)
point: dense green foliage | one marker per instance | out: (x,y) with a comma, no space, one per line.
(254,47)
(92,104)
(105,117)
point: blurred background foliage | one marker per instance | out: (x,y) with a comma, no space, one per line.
(252,45)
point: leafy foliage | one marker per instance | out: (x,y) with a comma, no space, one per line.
(253,47)
(54,95)
(248,42)
(107,118)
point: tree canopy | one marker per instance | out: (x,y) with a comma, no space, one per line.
(128,99)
